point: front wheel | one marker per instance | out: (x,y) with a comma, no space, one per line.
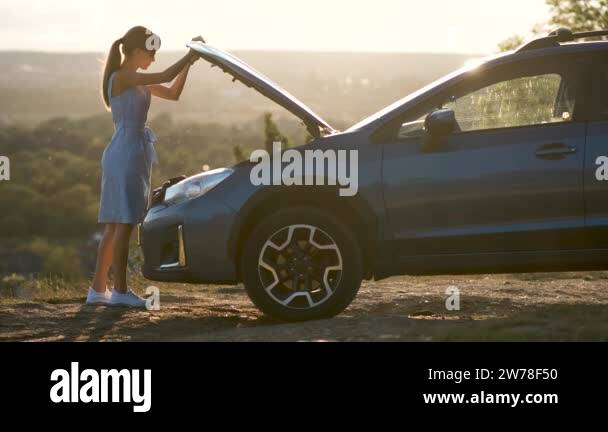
(301,264)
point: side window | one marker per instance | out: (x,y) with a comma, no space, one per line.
(519,102)
(523,101)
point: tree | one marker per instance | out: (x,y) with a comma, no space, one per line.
(238,153)
(577,15)
(273,134)
(511,43)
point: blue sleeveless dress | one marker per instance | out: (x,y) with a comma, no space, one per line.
(128,158)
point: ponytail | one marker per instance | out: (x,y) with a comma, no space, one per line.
(113,62)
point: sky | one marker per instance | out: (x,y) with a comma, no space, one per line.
(446,26)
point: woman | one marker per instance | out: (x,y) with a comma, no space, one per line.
(128,158)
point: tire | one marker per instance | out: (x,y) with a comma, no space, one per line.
(304,246)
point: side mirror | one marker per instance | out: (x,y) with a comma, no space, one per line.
(440,123)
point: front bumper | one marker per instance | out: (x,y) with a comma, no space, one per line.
(188,242)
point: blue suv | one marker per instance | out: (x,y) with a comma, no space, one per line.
(497,167)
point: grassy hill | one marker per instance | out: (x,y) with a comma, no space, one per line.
(341,87)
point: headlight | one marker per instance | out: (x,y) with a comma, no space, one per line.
(195,186)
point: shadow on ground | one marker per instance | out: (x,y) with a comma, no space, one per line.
(504,308)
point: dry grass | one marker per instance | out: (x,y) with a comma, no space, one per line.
(564,306)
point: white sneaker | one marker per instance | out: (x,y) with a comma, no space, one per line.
(127,299)
(97,298)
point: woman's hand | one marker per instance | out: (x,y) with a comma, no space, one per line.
(194,56)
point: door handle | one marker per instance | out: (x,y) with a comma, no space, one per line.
(555,150)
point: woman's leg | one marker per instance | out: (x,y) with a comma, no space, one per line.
(122,235)
(104,259)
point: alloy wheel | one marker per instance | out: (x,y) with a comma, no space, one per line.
(300,266)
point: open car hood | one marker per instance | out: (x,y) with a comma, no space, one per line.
(252,78)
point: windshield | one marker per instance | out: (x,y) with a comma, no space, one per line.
(466,68)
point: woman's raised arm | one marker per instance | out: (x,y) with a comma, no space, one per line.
(174,91)
(126,78)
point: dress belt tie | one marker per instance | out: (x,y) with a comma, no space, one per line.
(150,139)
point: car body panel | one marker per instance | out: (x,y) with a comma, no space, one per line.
(596,191)
(489,190)
(252,78)
(206,224)
(485,192)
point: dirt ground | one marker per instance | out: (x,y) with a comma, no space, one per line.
(564,306)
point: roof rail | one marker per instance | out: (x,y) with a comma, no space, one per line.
(558,36)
